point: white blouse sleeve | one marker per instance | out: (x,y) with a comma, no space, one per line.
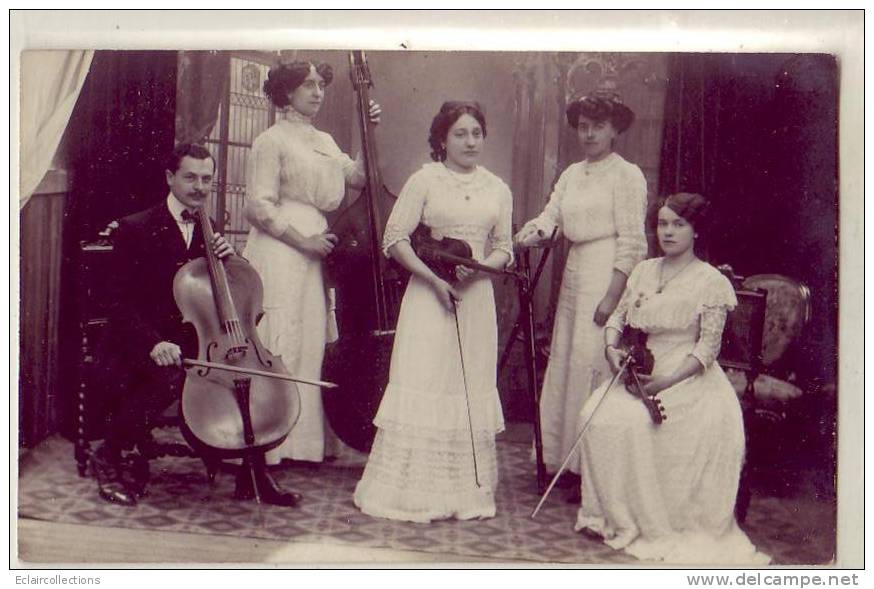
(717,299)
(629,210)
(263,170)
(406,212)
(617,319)
(501,237)
(353,170)
(550,218)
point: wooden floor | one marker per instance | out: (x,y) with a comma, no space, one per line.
(48,544)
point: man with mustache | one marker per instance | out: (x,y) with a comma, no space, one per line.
(147,337)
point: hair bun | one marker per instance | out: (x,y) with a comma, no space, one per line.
(689,205)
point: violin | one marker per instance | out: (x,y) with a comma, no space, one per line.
(442,256)
(240,400)
(641,361)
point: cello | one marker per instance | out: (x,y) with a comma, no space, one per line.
(239,402)
(367,291)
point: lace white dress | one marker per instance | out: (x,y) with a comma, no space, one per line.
(667,492)
(600,208)
(295,173)
(421,465)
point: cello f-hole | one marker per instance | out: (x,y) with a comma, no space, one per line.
(209,348)
(265,361)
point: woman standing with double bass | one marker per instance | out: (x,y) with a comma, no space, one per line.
(295,174)
(434,453)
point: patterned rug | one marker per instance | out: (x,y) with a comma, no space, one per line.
(180,500)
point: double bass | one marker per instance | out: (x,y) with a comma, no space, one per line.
(366,289)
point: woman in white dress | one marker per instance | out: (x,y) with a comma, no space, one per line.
(599,204)
(295,173)
(421,467)
(667,492)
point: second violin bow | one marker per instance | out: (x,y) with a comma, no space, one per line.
(579,439)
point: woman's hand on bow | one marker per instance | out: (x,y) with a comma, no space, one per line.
(446,294)
(615,357)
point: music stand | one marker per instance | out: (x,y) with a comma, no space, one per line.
(525,322)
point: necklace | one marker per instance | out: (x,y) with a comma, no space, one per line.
(662,282)
(463,181)
(293,116)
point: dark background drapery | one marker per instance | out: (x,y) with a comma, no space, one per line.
(119,136)
(202,82)
(757,135)
(123,128)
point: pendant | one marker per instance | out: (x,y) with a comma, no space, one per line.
(659,290)
(466,197)
(637,303)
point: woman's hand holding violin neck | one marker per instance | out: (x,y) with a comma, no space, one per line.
(375,113)
(446,294)
(463,273)
(221,247)
(319,245)
(605,309)
(652,384)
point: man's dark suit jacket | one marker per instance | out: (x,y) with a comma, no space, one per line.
(148,249)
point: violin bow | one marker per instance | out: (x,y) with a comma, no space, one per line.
(466,392)
(579,439)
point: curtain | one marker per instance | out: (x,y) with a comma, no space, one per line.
(202,81)
(757,135)
(120,135)
(50,85)
(122,131)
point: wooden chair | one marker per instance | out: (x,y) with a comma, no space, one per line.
(742,351)
(759,336)
(87,423)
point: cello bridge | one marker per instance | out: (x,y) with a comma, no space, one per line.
(236,353)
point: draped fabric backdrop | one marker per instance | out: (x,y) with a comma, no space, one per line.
(120,134)
(757,135)
(202,83)
(51,82)
(640,79)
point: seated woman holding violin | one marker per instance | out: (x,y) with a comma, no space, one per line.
(661,485)
(434,453)
(148,341)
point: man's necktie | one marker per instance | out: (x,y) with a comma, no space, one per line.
(188,216)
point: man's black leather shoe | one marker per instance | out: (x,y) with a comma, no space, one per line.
(106,470)
(272,494)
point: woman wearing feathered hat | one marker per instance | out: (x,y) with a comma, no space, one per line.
(599,204)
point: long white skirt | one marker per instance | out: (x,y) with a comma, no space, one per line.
(667,492)
(294,326)
(576,356)
(421,466)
